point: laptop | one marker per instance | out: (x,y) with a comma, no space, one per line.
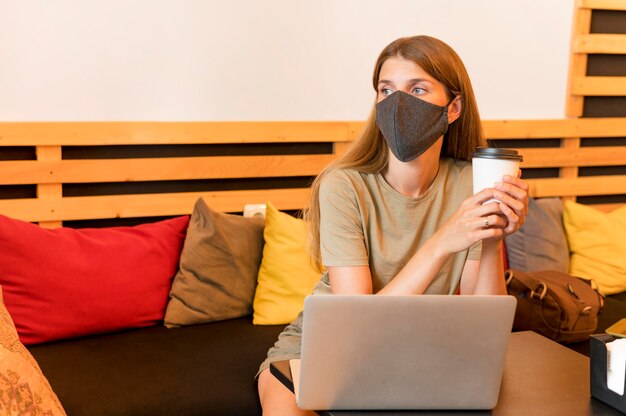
(367,352)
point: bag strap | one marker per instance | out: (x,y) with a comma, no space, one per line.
(509,276)
(594,285)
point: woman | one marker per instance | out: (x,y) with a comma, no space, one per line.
(396,214)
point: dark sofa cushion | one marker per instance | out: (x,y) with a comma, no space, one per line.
(203,369)
(620,297)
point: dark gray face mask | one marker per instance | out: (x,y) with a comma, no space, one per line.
(410,125)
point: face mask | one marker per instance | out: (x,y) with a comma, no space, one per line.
(410,125)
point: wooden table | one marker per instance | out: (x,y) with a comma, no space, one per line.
(540,377)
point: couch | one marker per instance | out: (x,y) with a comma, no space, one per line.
(198,369)
(114,334)
(99,175)
(194,369)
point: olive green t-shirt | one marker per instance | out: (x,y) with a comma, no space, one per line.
(365,222)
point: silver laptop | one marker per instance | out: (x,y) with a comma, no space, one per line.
(402,352)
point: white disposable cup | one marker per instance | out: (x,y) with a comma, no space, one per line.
(490,164)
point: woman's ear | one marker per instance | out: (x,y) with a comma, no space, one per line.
(454,110)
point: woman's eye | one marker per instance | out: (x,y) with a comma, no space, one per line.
(418,91)
(386,91)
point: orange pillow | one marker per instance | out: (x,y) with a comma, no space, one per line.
(23,385)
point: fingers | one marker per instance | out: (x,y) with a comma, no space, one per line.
(517,189)
(485,218)
(515,179)
(485,215)
(514,221)
(481,197)
(513,186)
(519,205)
(491,221)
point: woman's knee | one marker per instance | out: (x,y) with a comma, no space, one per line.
(276,399)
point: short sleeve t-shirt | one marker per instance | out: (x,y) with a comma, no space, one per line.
(365,222)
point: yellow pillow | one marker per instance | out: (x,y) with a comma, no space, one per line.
(597,243)
(286,275)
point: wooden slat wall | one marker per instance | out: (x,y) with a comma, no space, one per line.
(50,172)
(569,157)
(585,43)
(593,35)
(571,147)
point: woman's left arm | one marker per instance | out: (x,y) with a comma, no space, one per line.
(486,276)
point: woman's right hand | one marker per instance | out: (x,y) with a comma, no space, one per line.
(472,222)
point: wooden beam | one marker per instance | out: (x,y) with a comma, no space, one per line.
(604,4)
(573,156)
(160,169)
(52,191)
(570,146)
(355,129)
(148,205)
(557,128)
(581,25)
(112,133)
(581,186)
(600,43)
(122,133)
(599,86)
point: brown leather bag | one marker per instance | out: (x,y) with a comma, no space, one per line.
(554,304)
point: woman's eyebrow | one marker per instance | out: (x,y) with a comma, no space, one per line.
(411,81)
(416,80)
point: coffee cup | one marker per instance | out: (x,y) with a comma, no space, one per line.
(490,164)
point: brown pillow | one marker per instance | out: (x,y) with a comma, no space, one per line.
(218,268)
(23,386)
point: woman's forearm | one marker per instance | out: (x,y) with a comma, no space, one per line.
(490,279)
(419,272)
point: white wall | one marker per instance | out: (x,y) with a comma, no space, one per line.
(265,60)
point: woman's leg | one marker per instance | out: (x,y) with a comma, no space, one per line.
(276,399)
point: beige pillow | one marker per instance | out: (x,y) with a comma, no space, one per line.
(23,387)
(218,268)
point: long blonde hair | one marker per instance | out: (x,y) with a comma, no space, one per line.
(368,153)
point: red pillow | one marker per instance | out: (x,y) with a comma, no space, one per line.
(66,283)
